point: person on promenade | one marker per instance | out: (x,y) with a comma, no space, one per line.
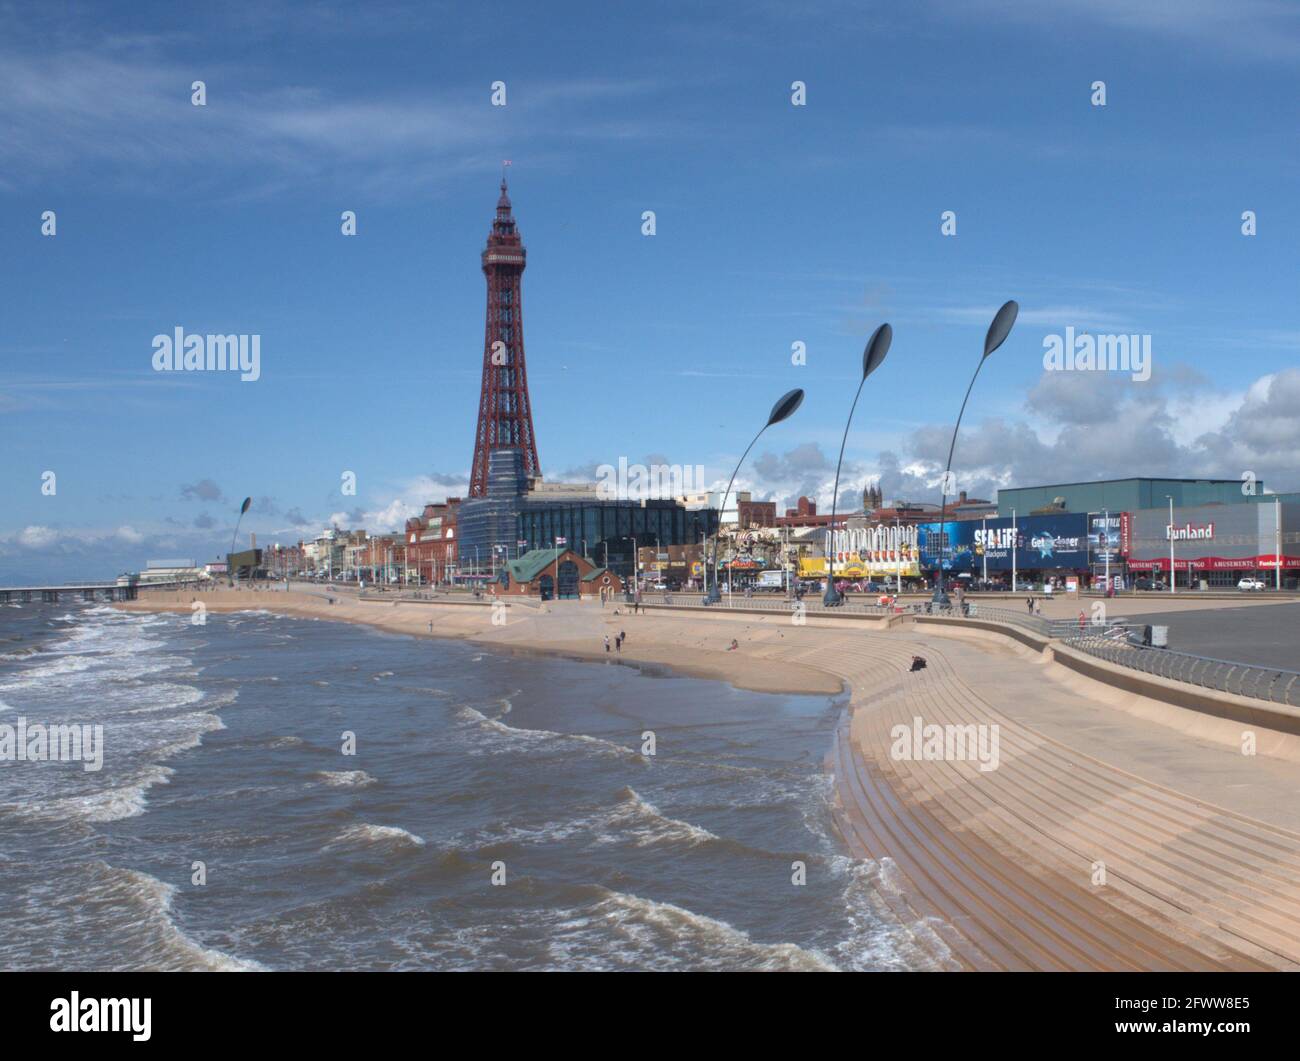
(607,642)
(1029,602)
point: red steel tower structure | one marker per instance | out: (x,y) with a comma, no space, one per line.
(505,416)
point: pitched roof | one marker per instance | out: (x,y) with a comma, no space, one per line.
(527,567)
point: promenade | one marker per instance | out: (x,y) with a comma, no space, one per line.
(1114,833)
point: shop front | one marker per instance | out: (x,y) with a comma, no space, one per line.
(1218,545)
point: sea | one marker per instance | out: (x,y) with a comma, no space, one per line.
(287,793)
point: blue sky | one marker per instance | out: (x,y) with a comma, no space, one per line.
(775,224)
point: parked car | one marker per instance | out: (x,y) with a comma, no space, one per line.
(1149,583)
(1250,584)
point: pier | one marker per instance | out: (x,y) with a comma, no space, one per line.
(86,591)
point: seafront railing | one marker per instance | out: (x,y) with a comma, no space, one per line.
(1276,684)
(1121,642)
(1116,641)
(773,602)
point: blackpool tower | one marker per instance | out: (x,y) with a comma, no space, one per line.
(505,417)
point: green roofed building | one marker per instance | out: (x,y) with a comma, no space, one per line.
(551,573)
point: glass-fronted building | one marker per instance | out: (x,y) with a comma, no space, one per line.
(511,520)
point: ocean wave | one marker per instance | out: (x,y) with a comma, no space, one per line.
(205,723)
(378,836)
(651,934)
(345,778)
(640,820)
(631,819)
(476,717)
(875,939)
(167,947)
(123,800)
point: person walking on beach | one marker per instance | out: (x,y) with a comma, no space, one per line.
(607,642)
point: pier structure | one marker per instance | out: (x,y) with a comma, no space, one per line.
(86,591)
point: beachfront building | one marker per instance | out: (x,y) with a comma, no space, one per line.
(284,561)
(1215,545)
(1128,495)
(431,544)
(1049,547)
(520,514)
(169,571)
(550,574)
(862,550)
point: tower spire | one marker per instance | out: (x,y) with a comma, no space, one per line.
(505,416)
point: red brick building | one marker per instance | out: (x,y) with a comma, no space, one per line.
(805,515)
(431,543)
(755,513)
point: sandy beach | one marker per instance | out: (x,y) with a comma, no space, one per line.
(1112,832)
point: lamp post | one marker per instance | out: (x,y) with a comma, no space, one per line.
(1277,541)
(898,555)
(997,334)
(785,407)
(1172,576)
(1015,543)
(984,554)
(873,354)
(1105,523)
(230,572)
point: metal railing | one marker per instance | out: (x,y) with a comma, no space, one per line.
(1276,684)
(763,602)
(1052,628)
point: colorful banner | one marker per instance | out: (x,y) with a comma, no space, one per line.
(854,568)
(1030,543)
(1265,561)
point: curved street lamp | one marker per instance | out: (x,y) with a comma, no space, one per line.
(230,574)
(997,334)
(873,354)
(785,407)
